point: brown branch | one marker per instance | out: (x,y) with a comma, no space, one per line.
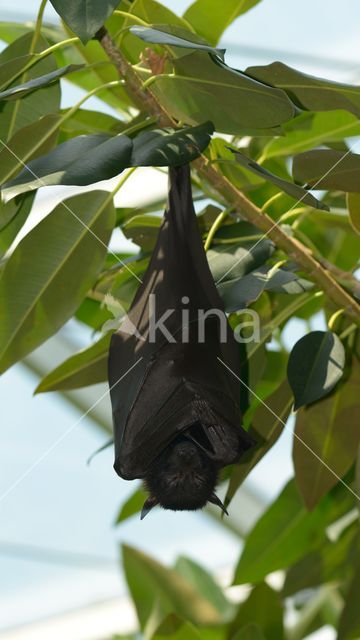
(247,209)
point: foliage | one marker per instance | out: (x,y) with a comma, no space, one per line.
(273,248)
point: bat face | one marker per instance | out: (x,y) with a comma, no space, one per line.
(182,476)
(176,413)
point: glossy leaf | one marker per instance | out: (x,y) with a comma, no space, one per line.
(310,130)
(233,261)
(280,537)
(211,19)
(142,230)
(309,92)
(174,36)
(293,190)
(87,159)
(40,294)
(328,169)
(316,364)
(16,115)
(30,142)
(238,293)
(331,562)
(266,427)
(353,203)
(132,505)
(21,90)
(84,17)
(13,216)
(264,607)
(151,582)
(88,366)
(204,88)
(327,436)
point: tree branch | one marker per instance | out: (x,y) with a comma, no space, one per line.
(233,196)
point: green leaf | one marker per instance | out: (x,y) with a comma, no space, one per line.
(70,240)
(316,364)
(233,261)
(87,159)
(13,216)
(267,426)
(204,584)
(327,436)
(211,19)
(204,88)
(143,230)
(21,90)
(349,624)
(84,17)
(88,366)
(132,505)
(264,607)
(176,628)
(174,36)
(328,169)
(250,632)
(293,190)
(310,130)
(309,92)
(238,293)
(353,204)
(30,142)
(281,536)
(16,115)
(331,562)
(150,582)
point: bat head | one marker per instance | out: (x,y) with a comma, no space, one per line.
(181,478)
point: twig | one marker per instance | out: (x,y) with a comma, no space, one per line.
(233,196)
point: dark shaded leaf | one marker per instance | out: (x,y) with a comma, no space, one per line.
(263,606)
(84,17)
(211,18)
(329,563)
(240,292)
(316,364)
(204,88)
(13,216)
(327,437)
(40,295)
(309,92)
(87,159)
(283,534)
(21,90)
(88,366)
(266,428)
(250,632)
(328,169)
(143,230)
(349,624)
(300,194)
(233,261)
(177,628)
(174,36)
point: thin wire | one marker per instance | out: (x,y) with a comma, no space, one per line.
(288,429)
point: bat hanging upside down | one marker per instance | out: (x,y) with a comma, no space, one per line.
(173,367)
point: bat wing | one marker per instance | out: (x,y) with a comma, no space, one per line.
(160,385)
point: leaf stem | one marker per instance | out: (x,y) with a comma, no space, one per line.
(333,320)
(269,202)
(122,181)
(132,16)
(215,226)
(38,26)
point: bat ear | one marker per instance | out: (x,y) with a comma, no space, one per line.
(149,503)
(215,500)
